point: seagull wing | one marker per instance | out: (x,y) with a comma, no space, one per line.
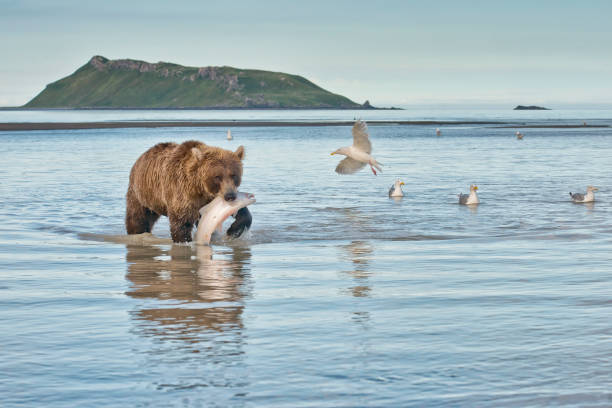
(463,198)
(391,190)
(361,139)
(577,197)
(349,166)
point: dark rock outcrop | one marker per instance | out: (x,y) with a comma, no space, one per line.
(530,107)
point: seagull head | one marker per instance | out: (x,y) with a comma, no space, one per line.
(591,188)
(341,150)
(473,187)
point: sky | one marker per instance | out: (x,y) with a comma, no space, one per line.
(398,53)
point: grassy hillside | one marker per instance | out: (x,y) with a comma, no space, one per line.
(129,83)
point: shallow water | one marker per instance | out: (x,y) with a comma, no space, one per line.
(572,115)
(340,296)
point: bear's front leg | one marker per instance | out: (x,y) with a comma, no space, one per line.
(180,228)
(243,222)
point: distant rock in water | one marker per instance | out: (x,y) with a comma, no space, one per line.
(531,107)
(127,83)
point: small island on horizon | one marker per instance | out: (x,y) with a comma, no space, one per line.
(132,84)
(530,107)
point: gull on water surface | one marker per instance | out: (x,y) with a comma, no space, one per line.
(396,189)
(357,155)
(589,197)
(471,198)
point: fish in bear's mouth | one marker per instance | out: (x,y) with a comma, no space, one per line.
(218,210)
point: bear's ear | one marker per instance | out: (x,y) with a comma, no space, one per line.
(197,153)
(240,152)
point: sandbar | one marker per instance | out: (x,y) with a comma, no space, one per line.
(12,126)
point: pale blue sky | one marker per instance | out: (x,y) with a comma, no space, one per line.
(390,52)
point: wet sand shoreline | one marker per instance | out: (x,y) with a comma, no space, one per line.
(27,126)
(9,126)
(551,126)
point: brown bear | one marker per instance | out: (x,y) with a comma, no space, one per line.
(176,180)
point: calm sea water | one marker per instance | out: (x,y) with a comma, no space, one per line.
(340,296)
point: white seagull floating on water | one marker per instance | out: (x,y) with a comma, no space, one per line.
(396,189)
(229,134)
(519,135)
(357,155)
(471,198)
(589,197)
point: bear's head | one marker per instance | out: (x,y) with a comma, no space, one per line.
(217,172)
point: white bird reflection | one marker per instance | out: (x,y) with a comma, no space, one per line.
(359,253)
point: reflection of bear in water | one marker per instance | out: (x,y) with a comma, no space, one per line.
(176,181)
(187,280)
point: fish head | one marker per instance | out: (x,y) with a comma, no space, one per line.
(243,200)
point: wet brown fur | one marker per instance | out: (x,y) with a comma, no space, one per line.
(176,180)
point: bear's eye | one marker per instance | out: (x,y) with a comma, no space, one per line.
(218,179)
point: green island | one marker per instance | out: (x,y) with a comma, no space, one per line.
(130,84)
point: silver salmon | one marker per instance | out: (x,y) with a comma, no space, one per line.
(214,213)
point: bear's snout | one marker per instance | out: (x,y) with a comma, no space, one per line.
(231,196)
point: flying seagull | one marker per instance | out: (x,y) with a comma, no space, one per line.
(357,155)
